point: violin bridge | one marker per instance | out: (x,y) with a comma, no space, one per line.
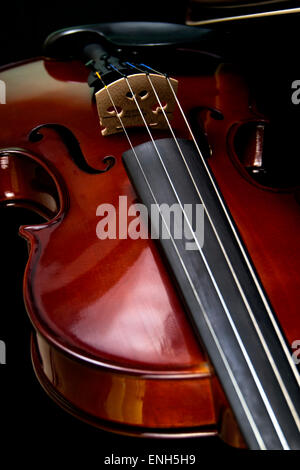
(115,103)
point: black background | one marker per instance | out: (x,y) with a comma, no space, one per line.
(32,427)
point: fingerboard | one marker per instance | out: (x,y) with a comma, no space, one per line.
(230,316)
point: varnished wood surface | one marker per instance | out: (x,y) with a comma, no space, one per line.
(113,338)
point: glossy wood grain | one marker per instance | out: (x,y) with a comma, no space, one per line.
(112,343)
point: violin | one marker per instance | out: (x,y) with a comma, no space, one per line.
(144,321)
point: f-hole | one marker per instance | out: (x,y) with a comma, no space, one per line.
(73,147)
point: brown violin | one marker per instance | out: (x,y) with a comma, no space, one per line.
(146,322)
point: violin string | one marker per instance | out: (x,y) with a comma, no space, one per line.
(216,287)
(215,284)
(245,256)
(245,300)
(212,331)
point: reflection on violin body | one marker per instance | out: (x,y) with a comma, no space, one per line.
(112,339)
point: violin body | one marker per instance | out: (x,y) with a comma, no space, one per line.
(111,342)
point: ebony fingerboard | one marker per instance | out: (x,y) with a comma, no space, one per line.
(230,318)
